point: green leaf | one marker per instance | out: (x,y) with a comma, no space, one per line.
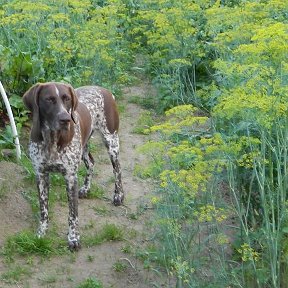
(285,230)
(16,101)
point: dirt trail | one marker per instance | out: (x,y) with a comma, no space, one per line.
(97,262)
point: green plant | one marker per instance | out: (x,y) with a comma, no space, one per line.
(90,258)
(31,196)
(6,138)
(89,225)
(265,193)
(147,102)
(176,49)
(239,151)
(48,279)
(101,210)
(95,192)
(255,112)
(144,122)
(118,266)
(27,243)
(15,274)
(109,232)
(187,166)
(90,283)
(28,167)
(4,190)
(126,249)
(19,110)
(57,31)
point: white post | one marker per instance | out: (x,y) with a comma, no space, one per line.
(13,126)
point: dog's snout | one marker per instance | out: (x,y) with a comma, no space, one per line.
(64,118)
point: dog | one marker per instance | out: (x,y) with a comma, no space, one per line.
(63,120)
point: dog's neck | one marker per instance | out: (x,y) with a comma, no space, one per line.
(56,140)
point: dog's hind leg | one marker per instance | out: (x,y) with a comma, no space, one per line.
(89,163)
(112,144)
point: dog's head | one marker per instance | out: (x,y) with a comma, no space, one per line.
(52,105)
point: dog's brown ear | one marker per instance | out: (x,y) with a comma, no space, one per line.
(30,99)
(74,101)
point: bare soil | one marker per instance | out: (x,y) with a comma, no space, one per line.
(70,269)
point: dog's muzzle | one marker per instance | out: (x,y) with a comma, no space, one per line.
(64,119)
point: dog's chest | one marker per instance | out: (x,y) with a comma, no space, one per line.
(48,157)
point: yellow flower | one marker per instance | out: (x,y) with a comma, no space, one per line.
(248,253)
(209,213)
(222,239)
(155,200)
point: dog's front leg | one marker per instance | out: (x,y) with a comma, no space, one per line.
(72,194)
(43,193)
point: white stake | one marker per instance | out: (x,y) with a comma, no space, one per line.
(13,126)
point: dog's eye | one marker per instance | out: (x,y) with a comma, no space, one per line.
(51,99)
(66,98)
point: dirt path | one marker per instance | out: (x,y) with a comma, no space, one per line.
(109,262)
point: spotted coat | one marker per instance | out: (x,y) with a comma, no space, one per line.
(59,141)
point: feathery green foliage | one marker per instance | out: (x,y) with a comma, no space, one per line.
(233,166)
(220,68)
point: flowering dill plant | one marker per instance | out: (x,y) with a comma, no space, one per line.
(84,35)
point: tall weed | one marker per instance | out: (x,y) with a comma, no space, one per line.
(227,185)
(173,37)
(79,42)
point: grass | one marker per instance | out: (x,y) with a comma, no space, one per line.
(90,258)
(121,108)
(127,249)
(27,244)
(147,102)
(48,279)
(145,121)
(89,225)
(90,283)
(28,167)
(101,210)
(95,192)
(118,266)
(109,232)
(4,189)
(15,274)
(152,170)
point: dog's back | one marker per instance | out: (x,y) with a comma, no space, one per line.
(102,107)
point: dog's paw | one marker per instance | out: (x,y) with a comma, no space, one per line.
(83,192)
(118,199)
(41,232)
(73,240)
(74,245)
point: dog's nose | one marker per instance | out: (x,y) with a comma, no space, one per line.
(64,121)
(64,118)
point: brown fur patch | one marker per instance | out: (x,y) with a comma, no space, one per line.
(65,137)
(85,122)
(110,110)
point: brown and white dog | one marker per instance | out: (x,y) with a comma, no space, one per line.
(63,121)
